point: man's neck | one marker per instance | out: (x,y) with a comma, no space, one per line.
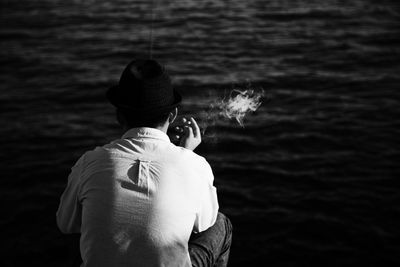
(163,128)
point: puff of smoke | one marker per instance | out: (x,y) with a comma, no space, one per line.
(236,105)
(240,103)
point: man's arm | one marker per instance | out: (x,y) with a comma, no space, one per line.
(208,208)
(208,202)
(69,213)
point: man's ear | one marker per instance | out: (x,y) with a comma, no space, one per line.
(172,115)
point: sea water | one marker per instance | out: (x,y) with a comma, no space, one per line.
(309,180)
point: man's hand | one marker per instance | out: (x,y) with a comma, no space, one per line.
(191,134)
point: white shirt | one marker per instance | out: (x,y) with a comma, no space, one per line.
(137,200)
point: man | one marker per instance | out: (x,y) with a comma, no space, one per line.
(141,200)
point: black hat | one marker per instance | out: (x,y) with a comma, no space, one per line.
(144,88)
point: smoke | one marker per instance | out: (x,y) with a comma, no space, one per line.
(240,103)
(234,106)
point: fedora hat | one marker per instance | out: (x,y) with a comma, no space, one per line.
(144,88)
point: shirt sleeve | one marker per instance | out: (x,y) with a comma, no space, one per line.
(208,208)
(69,213)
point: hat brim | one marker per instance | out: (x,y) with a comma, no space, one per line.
(112,97)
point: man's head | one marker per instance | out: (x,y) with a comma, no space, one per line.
(144,96)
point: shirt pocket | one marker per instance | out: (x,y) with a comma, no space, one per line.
(138,175)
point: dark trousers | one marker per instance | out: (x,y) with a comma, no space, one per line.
(211,247)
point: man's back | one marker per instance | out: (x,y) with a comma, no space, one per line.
(138,201)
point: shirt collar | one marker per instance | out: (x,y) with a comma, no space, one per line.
(146,132)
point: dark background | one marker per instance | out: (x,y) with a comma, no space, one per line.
(311,180)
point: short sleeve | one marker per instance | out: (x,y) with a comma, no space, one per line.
(208,206)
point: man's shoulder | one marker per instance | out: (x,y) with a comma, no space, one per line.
(188,154)
(98,152)
(170,153)
(197,163)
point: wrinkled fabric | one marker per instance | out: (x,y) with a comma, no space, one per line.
(137,200)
